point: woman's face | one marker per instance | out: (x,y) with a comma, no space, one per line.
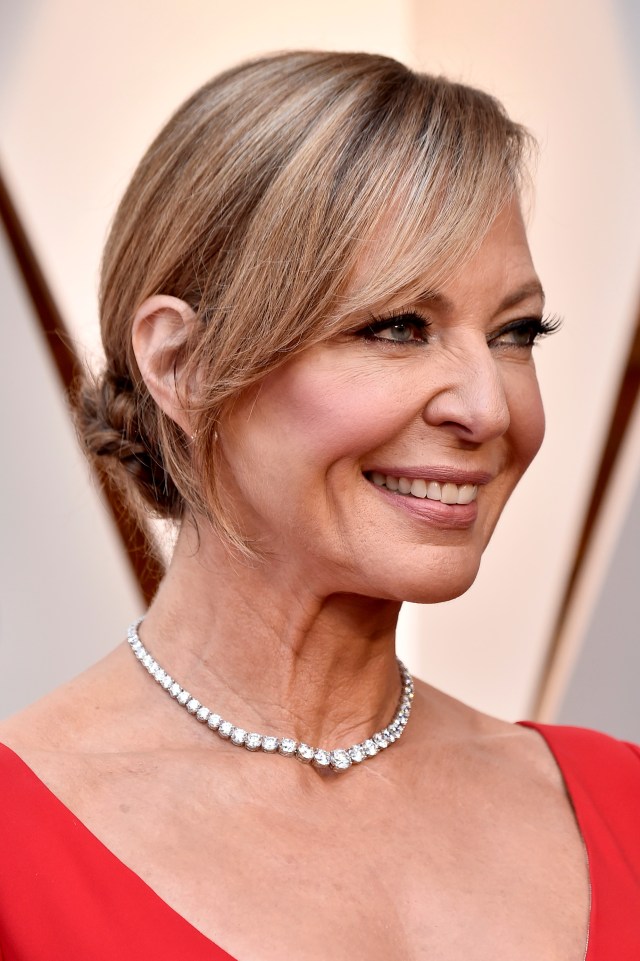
(331,457)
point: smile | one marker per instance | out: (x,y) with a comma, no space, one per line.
(424,488)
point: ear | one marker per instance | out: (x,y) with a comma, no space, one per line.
(160,328)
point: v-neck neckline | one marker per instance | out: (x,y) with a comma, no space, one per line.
(206,942)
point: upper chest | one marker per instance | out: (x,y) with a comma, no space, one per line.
(441,869)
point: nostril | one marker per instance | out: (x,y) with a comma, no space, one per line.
(475,410)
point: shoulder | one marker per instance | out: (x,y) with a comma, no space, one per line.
(586,749)
(602,778)
(77,739)
(94,711)
(483,746)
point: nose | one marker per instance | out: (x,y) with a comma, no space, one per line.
(469,396)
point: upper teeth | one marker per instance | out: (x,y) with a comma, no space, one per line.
(421,487)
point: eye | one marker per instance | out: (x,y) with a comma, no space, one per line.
(524,333)
(402,328)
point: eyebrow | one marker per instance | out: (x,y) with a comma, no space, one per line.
(532,289)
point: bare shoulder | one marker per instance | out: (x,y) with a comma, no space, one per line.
(517,751)
(90,717)
(95,743)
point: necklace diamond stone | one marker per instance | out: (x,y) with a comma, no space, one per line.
(340,759)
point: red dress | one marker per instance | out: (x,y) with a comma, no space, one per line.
(65,897)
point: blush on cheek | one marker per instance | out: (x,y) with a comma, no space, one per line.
(344,413)
(534,430)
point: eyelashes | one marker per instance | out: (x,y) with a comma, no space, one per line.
(408,327)
(525,332)
(400,327)
(550,324)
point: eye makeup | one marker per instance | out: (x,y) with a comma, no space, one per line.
(525,331)
(399,327)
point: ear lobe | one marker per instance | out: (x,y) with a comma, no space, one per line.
(160,328)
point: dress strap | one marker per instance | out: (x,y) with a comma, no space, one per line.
(602,778)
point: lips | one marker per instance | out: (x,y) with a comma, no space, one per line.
(444,497)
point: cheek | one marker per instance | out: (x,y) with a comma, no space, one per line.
(301,427)
(527,422)
(325,417)
(297,425)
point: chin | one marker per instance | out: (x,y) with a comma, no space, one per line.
(437,593)
(434,584)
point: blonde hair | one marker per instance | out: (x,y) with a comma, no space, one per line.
(254,205)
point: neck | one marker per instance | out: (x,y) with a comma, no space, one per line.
(259,645)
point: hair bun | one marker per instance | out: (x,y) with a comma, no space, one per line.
(108,422)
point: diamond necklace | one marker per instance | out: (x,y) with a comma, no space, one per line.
(338,760)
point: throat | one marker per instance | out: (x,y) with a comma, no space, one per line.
(336,759)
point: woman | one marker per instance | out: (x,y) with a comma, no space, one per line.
(318,311)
